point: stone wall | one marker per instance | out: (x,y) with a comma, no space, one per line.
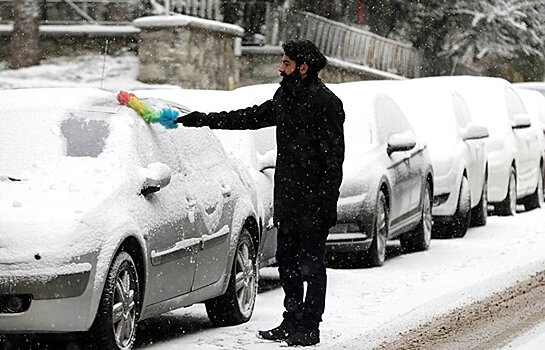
(67,40)
(187,51)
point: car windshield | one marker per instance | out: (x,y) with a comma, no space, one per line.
(84,137)
(36,137)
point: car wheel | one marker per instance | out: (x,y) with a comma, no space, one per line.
(115,324)
(237,304)
(508,206)
(420,238)
(535,200)
(376,254)
(462,216)
(479,214)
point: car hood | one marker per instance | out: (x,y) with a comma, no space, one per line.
(43,217)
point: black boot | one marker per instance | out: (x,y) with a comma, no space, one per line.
(304,337)
(280,333)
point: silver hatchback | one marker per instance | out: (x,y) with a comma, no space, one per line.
(106,220)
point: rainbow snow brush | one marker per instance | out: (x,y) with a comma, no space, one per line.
(166,116)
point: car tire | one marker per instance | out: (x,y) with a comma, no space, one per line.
(420,238)
(508,206)
(115,323)
(376,254)
(535,200)
(462,216)
(479,214)
(237,304)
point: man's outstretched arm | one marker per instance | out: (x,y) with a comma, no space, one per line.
(256,117)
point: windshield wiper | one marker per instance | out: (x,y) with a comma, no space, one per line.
(4,178)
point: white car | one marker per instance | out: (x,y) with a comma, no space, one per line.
(457,149)
(106,220)
(538,86)
(514,153)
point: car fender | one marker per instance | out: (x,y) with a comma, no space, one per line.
(368,213)
(245,209)
(104,260)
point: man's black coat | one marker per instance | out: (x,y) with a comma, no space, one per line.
(310,143)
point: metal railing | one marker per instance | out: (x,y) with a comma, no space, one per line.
(351,44)
(209,9)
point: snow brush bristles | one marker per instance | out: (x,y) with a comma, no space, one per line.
(166,116)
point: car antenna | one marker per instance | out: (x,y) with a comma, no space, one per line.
(104,65)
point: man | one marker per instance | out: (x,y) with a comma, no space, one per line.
(310,151)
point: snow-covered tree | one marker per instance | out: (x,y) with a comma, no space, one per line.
(25,49)
(477,30)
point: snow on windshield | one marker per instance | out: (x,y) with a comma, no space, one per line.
(41,129)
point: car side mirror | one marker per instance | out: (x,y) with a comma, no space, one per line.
(267,160)
(521,121)
(400,143)
(157,176)
(474,132)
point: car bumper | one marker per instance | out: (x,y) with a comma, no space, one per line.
(348,242)
(57,303)
(446,192)
(498,180)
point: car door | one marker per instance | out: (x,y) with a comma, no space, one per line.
(170,213)
(526,169)
(215,191)
(474,149)
(265,144)
(390,121)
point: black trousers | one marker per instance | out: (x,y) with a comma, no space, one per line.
(301,258)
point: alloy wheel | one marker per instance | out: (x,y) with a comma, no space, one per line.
(245,280)
(381,230)
(427,218)
(513,193)
(124,306)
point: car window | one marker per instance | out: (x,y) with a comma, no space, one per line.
(514,103)
(84,137)
(461,111)
(389,119)
(198,144)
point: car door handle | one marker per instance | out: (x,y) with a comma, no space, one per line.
(226,190)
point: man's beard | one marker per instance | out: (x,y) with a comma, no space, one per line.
(291,80)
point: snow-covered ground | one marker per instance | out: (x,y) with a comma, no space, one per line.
(532,340)
(364,306)
(367,306)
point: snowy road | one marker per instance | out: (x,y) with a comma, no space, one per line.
(367,306)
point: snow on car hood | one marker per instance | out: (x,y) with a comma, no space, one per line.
(44,211)
(57,165)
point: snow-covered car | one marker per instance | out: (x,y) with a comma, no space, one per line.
(514,155)
(535,105)
(106,220)
(538,86)
(457,149)
(387,186)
